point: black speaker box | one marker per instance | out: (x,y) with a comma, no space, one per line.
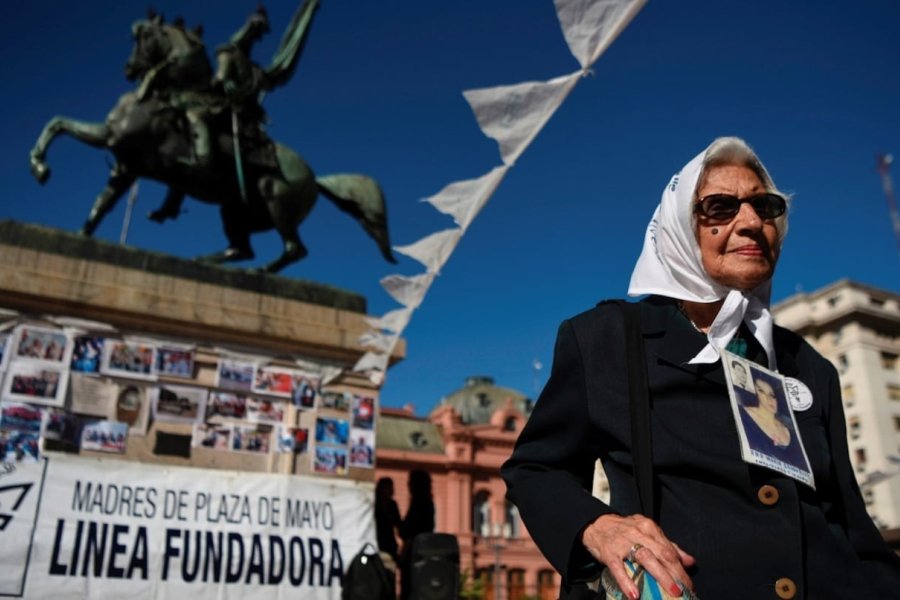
(435,567)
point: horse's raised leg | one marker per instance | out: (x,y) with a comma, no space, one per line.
(93,134)
(234,220)
(170,208)
(119,181)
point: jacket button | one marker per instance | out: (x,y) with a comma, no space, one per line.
(785,588)
(768,495)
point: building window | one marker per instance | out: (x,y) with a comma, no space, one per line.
(843,363)
(833,301)
(515,584)
(860,455)
(877,302)
(893,391)
(854,428)
(889,361)
(547,589)
(509,424)
(849,395)
(511,525)
(481,514)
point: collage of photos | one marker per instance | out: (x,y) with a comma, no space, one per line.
(70,392)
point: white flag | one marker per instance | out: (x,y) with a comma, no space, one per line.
(408,291)
(514,114)
(462,200)
(378,341)
(433,250)
(371,361)
(590,26)
(395,320)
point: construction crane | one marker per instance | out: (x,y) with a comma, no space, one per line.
(884,167)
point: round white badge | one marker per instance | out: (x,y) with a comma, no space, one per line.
(798,394)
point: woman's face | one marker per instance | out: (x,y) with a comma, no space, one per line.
(766,395)
(739,254)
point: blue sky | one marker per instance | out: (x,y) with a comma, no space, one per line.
(813,86)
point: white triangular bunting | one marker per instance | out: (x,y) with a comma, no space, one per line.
(408,291)
(590,26)
(433,250)
(514,114)
(395,320)
(462,200)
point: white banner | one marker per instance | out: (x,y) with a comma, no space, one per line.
(119,529)
(514,114)
(590,26)
(407,290)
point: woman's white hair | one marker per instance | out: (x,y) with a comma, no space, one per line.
(735,151)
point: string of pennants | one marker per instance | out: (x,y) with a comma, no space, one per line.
(512,115)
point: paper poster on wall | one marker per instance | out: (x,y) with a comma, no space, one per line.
(330,460)
(332,431)
(264,410)
(364,412)
(212,435)
(362,448)
(225,405)
(132,407)
(335,400)
(251,438)
(275,381)
(19,447)
(104,436)
(304,389)
(91,395)
(292,440)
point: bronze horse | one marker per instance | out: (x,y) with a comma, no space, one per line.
(259,184)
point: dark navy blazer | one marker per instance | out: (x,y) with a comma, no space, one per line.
(707,499)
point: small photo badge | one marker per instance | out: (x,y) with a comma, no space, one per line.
(798,394)
(769,435)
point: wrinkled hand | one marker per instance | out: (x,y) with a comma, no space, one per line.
(610,537)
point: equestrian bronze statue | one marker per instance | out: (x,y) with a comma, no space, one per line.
(202,134)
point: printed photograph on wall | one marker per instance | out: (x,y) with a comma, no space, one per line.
(128,359)
(363,412)
(178,403)
(28,381)
(173,361)
(19,447)
(225,405)
(330,460)
(235,374)
(332,431)
(104,436)
(132,407)
(274,381)
(304,390)
(362,448)
(251,438)
(212,435)
(87,350)
(335,400)
(42,343)
(292,440)
(263,410)
(5,350)
(64,427)
(21,417)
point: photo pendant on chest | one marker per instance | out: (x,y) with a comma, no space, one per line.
(768,432)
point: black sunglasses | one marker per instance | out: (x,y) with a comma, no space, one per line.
(724,207)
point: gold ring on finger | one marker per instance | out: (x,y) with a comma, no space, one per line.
(632,551)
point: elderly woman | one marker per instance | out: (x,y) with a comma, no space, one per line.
(722,527)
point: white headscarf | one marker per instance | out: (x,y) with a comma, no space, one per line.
(670,264)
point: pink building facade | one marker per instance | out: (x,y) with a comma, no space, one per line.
(462,444)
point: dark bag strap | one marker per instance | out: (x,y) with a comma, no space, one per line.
(639,405)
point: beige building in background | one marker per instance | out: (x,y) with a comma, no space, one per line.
(857,328)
